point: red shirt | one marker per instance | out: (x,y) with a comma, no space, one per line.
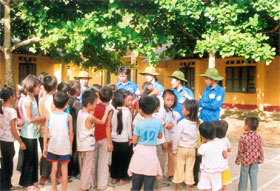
(250,149)
(100,130)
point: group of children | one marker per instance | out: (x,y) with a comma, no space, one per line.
(102,136)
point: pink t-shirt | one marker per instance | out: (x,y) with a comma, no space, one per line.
(5,124)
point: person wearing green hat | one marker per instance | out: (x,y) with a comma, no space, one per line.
(150,74)
(212,97)
(83,78)
(183,93)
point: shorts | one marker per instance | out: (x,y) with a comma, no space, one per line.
(210,181)
(61,158)
(226,177)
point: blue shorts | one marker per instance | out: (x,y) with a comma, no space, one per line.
(61,158)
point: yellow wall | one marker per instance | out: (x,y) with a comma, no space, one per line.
(44,64)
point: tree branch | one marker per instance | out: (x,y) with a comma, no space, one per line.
(2,2)
(273,30)
(26,42)
(187,33)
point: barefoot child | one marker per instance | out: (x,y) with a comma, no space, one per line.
(59,147)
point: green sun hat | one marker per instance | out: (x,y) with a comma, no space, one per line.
(82,74)
(213,74)
(150,70)
(178,75)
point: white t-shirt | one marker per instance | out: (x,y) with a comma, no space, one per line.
(126,133)
(85,136)
(212,157)
(186,134)
(5,124)
(59,142)
(170,117)
(226,143)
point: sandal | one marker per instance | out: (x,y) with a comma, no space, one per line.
(124,183)
(15,188)
(31,188)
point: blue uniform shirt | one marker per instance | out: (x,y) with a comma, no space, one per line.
(181,99)
(81,95)
(211,102)
(147,131)
(158,86)
(129,86)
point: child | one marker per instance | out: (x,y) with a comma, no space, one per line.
(75,106)
(185,143)
(221,127)
(122,137)
(213,153)
(8,134)
(170,119)
(50,83)
(29,133)
(250,154)
(103,145)
(59,147)
(86,140)
(144,165)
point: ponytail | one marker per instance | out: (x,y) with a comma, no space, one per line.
(120,122)
(1,110)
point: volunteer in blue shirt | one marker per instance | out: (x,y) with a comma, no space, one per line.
(150,75)
(124,83)
(212,97)
(181,91)
(83,78)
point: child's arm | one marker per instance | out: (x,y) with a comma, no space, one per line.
(30,119)
(134,139)
(45,138)
(71,134)
(239,152)
(160,135)
(104,118)
(225,154)
(108,132)
(229,150)
(15,134)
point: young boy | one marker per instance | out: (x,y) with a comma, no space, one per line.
(144,165)
(75,106)
(50,83)
(250,154)
(61,137)
(86,140)
(104,144)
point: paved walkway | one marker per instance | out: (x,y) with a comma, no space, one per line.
(268,177)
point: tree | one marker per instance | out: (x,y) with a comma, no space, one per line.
(88,33)
(248,29)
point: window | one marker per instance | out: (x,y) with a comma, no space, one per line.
(241,79)
(108,77)
(25,69)
(189,75)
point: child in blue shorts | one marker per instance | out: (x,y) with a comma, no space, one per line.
(60,133)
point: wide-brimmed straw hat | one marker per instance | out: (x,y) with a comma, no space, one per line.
(82,74)
(213,74)
(150,70)
(178,75)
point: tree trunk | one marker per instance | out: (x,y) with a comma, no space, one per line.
(7,46)
(211,63)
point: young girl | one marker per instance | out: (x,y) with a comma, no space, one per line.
(170,119)
(122,138)
(213,153)
(221,127)
(8,134)
(29,134)
(184,144)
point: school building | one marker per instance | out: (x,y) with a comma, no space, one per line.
(247,86)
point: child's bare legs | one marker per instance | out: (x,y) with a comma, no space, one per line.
(178,186)
(53,175)
(64,170)
(225,188)
(188,187)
